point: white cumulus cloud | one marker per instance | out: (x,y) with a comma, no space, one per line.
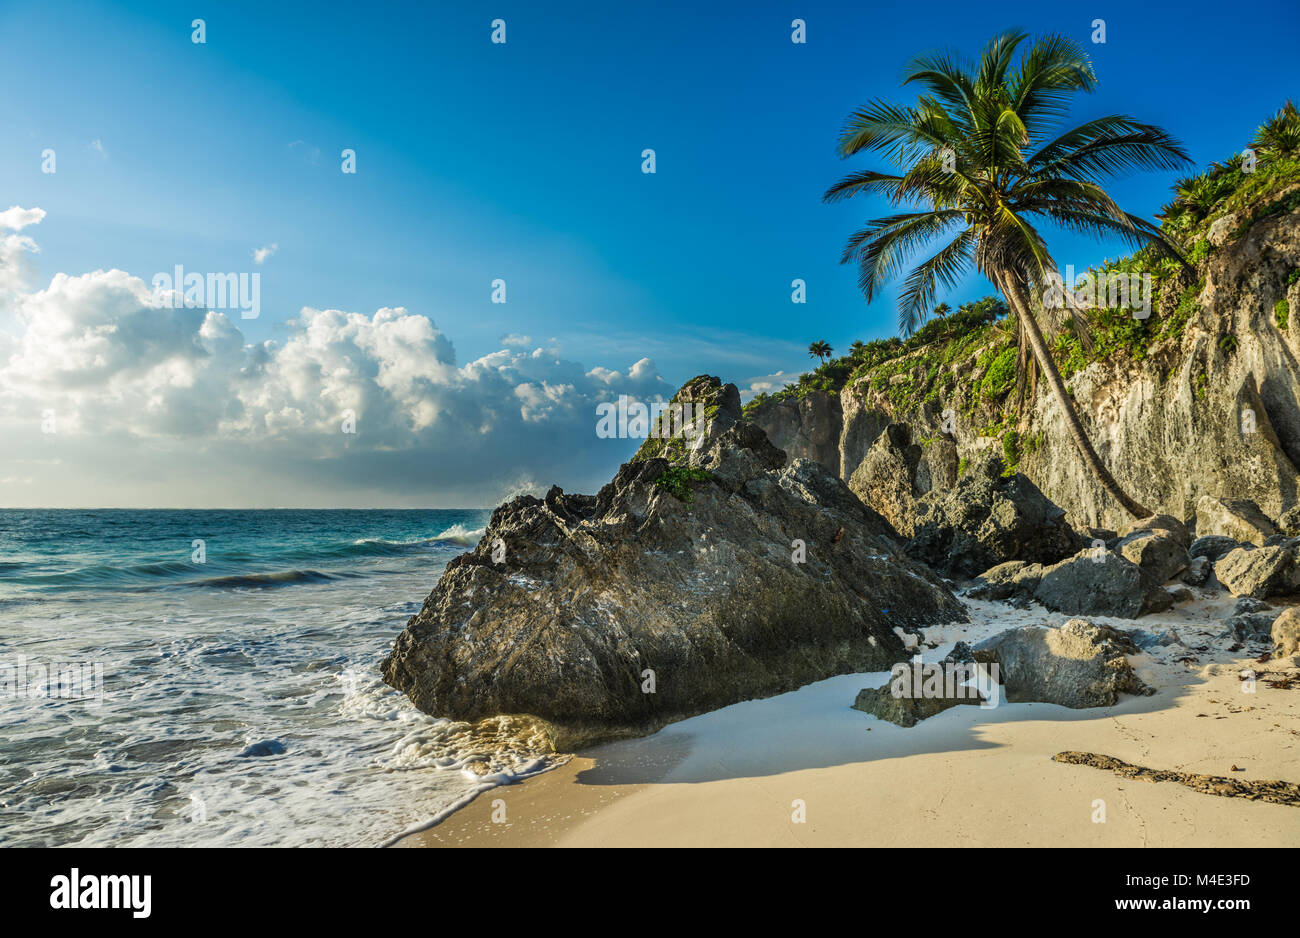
(16,268)
(168,390)
(16,218)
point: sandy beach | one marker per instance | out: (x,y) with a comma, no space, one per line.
(804,769)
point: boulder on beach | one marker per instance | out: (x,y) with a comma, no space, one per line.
(1014,580)
(917,691)
(986,519)
(1166,526)
(1079,665)
(908,710)
(1158,545)
(1100,582)
(706,573)
(1213,546)
(1285,633)
(1237,518)
(1259,571)
(1146,640)
(1251,620)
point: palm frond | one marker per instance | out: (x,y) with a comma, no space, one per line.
(919,291)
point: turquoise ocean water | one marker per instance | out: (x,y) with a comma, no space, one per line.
(217,677)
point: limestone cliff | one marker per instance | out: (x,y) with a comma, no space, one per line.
(1203,399)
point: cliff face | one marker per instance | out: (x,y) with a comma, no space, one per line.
(1217,413)
(1210,406)
(806,428)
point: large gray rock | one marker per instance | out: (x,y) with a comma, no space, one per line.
(1259,571)
(1237,518)
(1161,555)
(1251,626)
(1098,582)
(682,566)
(1165,525)
(987,519)
(884,480)
(1079,665)
(1015,579)
(1288,522)
(1285,633)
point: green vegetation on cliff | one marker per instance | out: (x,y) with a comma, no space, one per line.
(942,340)
(678,479)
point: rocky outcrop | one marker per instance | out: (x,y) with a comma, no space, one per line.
(806,427)
(917,691)
(1195,416)
(987,519)
(709,571)
(907,710)
(1078,665)
(1275,792)
(885,478)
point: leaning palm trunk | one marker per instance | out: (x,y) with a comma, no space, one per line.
(1012,286)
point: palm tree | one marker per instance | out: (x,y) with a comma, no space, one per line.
(858,349)
(820,351)
(1280,134)
(941,311)
(979,155)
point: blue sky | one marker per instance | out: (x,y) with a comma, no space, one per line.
(522,161)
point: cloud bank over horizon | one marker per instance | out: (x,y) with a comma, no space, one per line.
(110,397)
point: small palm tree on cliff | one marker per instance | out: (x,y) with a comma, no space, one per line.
(820,351)
(1280,134)
(980,155)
